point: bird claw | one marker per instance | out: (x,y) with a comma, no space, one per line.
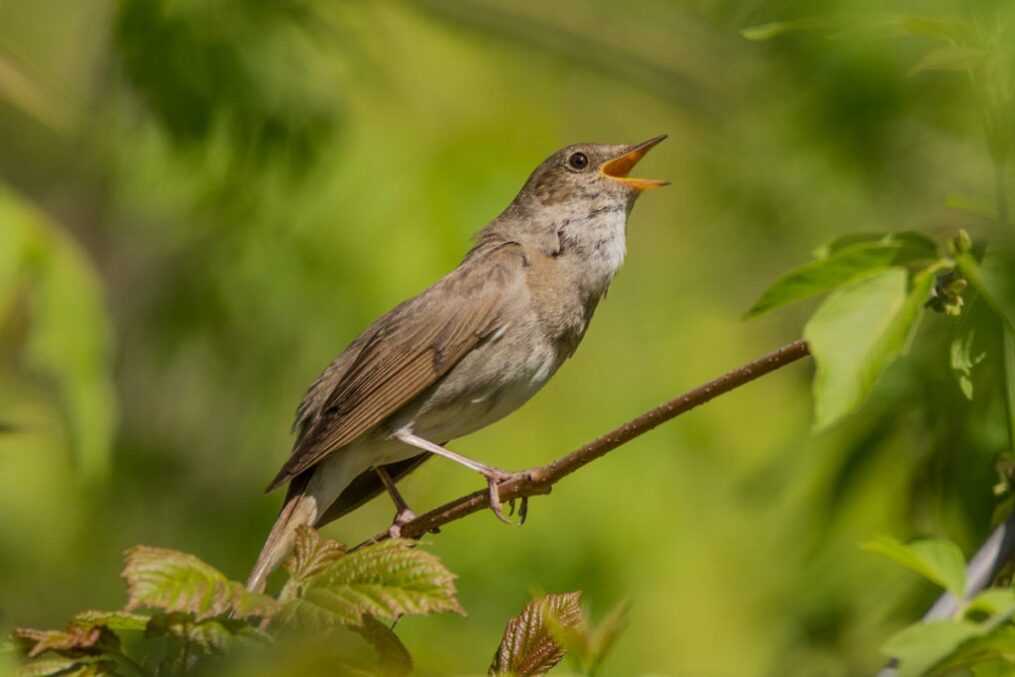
(402,517)
(493,485)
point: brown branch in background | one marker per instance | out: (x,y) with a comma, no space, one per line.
(541,479)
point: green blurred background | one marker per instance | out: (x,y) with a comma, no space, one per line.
(202,202)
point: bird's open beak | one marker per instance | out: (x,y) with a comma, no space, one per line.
(619,167)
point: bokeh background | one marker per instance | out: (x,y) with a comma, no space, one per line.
(202,202)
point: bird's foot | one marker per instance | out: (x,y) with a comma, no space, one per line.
(403,517)
(493,481)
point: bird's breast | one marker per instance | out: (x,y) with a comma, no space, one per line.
(489,383)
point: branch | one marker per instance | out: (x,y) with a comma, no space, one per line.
(541,479)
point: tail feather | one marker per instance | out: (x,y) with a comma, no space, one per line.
(299,510)
(309,496)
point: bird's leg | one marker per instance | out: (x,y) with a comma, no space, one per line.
(493,475)
(403,514)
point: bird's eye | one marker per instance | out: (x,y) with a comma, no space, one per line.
(578,161)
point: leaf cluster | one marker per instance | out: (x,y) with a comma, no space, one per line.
(182,613)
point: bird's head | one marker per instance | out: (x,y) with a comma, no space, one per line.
(589,173)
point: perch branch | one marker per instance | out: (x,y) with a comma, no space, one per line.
(541,479)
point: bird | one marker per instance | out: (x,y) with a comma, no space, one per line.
(467,351)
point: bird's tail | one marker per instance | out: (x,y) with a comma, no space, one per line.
(306,501)
(300,509)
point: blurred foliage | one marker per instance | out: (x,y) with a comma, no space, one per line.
(252,183)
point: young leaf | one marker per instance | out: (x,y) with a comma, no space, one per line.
(826,274)
(527,647)
(74,638)
(387,580)
(857,333)
(921,646)
(312,554)
(174,581)
(938,560)
(589,646)
(120,621)
(913,246)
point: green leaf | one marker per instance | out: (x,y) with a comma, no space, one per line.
(984,654)
(825,274)
(913,245)
(923,645)
(395,660)
(311,555)
(173,581)
(528,647)
(996,603)
(70,334)
(857,333)
(386,580)
(940,561)
(120,621)
(845,259)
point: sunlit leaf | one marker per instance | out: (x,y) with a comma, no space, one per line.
(385,580)
(940,561)
(312,554)
(528,647)
(825,274)
(114,620)
(923,645)
(845,259)
(913,245)
(990,655)
(857,333)
(173,581)
(993,602)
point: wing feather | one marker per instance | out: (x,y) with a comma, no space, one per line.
(405,352)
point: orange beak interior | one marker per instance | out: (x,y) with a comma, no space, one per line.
(619,167)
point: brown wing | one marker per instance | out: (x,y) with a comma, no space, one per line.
(406,351)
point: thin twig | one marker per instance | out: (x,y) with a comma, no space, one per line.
(541,479)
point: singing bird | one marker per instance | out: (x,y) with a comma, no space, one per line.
(466,352)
